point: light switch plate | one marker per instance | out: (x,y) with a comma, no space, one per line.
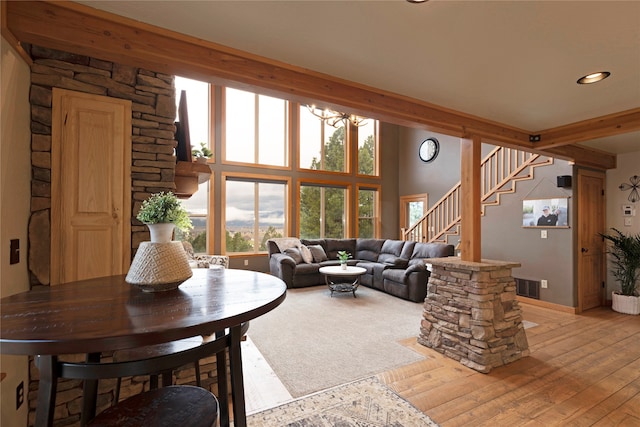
(543,234)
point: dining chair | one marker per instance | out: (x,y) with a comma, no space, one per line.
(157,364)
(173,406)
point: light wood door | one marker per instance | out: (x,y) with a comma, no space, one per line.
(591,248)
(90,186)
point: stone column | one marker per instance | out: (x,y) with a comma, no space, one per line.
(471,313)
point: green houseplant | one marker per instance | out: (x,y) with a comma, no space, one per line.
(625,267)
(202,153)
(343,256)
(164,208)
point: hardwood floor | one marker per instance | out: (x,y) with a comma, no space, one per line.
(583,370)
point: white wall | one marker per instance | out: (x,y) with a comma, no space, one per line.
(627,166)
(15,167)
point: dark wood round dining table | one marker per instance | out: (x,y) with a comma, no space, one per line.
(108,314)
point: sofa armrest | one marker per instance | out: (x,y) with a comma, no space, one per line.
(415,268)
(283,267)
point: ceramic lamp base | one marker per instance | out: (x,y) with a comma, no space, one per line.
(159,267)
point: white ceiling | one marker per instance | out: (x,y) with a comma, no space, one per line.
(513,62)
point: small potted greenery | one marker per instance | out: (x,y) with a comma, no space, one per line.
(201,154)
(165,210)
(343,256)
(625,267)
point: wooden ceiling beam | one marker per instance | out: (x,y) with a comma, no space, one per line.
(79,29)
(612,124)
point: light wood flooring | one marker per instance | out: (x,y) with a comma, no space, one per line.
(584,370)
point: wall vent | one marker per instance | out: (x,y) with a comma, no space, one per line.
(528,288)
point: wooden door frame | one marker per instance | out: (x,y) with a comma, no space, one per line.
(404,200)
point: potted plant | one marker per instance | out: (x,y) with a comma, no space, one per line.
(161,212)
(625,262)
(343,256)
(201,154)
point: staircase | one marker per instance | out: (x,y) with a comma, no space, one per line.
(500,171)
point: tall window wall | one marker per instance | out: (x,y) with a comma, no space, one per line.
(264,148)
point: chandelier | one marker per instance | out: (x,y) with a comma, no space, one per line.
(335,118)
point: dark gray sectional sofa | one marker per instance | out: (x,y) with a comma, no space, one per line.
(396,267)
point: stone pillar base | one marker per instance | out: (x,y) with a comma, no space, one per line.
(471,313)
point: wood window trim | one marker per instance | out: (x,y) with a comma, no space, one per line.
(252,177)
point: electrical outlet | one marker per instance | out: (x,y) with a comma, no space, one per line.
(14,251)
(544,284)
(19,395)
(246,262)
(543,234)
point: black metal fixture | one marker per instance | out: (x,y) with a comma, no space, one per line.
(634,196)
(593,77)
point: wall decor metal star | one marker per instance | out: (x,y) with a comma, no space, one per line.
(634,196)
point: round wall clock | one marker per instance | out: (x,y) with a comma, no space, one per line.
(429,149)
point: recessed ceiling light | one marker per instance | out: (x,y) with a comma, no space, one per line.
(417,1)
(593,77)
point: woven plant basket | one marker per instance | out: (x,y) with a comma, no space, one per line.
(159,267)
(625,304)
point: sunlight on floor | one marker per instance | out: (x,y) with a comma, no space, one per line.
(263,389)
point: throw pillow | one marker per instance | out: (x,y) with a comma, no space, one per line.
(294,253)
(318,253)
(306,254)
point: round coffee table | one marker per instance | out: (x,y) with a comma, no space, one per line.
(334,277)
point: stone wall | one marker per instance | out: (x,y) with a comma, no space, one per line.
(152,170)
(471,313)
(153,115)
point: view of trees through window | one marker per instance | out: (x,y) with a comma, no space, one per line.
(367,199)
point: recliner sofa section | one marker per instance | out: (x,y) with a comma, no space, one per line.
(396,267)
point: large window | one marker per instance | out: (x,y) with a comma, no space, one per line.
(255,211)
(368,212)
(368,148)
(198,102)
(255,128)
(322,147)
(323,211)
(252,197)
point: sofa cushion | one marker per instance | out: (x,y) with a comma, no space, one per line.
(430,250)
(334,245)
(306,254)
(318,253)
(390,254)
(294,253)
(368,249)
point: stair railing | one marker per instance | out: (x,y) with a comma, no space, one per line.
(500,170)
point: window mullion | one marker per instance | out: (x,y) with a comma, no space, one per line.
(256,215)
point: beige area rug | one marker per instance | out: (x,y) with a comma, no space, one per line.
(314,341)
(363,403)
